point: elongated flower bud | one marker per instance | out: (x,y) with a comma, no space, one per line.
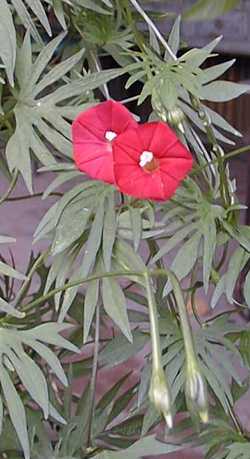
(176,118)
(196,391)
(159,393)
(160,396)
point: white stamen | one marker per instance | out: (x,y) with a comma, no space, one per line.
(110,135)
(145,158)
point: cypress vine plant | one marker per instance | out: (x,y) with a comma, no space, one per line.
(106,279)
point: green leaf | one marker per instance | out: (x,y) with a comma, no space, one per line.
(209,244)
(16,410)
(94,240)
(174,36)
(109,231)
(1,415)
(57,72)
(238,451)
(136,225)
(119,350)
(215,71)
(6,239)
(7,41)
(222,91)
(48,356)
(236,264)
(70,226)
(209,9)
(10,310)
(240,234)
(185,259)
(17,147)
(63,177)
(26,19)
(92,5)
(148,445)
(153,40)
(219,121)
(219,290)
(91,298)
(38,9)
(247,289)
(45,106)
(59,13)
(11,272)
(174,240)
(127,258)
(32,378)
(114,303)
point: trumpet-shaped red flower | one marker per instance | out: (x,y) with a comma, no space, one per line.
(150,161)
(93,133)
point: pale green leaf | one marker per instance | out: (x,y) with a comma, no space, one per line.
(109,230)
(247,289)
(236,264)
(39,12)
(174,240)
(215,71)
(114,303)
(16,410)
(8,271)
(223,91)
(209,9)
(119,350)
(136,225)
(94,240)
(91,298)
(7,41)
(174,36)
(148,445)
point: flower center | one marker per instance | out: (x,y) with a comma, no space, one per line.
(148,162)
(110,135)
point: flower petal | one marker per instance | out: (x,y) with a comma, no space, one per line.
(89,142)
(174,160)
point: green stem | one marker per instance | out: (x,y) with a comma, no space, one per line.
(94,375)
(68,285)
(228,156)
(184,319)
(155,334)
(205,120)
(29,196)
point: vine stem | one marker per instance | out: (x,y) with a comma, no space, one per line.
(154,28)
(34,195)
(228,156)
(155,335)
(185,324)
(94,375)
(11,187)
(68,285)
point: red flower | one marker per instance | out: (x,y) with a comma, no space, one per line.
(150,161)
(93,132)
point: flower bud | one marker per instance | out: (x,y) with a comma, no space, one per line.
(196,392)
(176,118)
(160,396)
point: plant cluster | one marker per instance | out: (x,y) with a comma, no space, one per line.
(124,264)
